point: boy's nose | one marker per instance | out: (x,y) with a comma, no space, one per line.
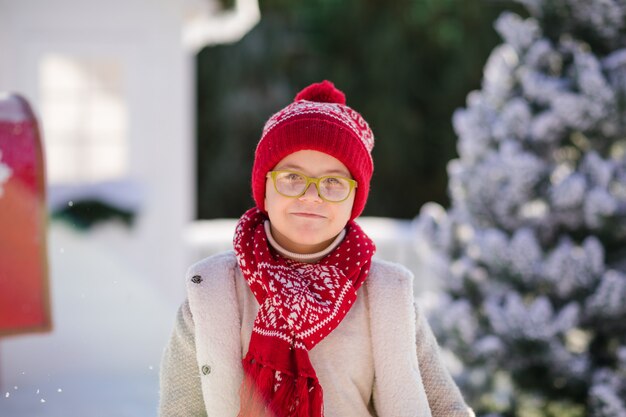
(311,193)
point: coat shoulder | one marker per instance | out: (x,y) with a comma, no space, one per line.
(390,271)
(221,264)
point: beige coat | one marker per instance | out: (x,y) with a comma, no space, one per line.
(410,378)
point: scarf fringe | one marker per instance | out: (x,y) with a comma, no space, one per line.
(298,396)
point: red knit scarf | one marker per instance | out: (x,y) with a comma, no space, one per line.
(300,304)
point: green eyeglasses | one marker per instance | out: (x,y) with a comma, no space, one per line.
(294,184)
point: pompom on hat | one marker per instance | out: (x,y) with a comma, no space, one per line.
(319,120)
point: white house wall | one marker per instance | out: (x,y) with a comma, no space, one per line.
(146,36)
(137,273)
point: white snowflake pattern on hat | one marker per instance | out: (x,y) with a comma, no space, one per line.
(342,113)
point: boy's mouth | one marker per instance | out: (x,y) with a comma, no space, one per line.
(308,215)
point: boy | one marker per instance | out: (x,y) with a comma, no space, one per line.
(299,320)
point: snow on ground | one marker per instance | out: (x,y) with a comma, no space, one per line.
(83,395)
(109,328)
(111,321)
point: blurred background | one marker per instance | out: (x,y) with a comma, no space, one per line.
(150,112)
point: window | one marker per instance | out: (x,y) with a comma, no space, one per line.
(85,118)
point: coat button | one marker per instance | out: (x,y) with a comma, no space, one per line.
(197,279)
(206,369)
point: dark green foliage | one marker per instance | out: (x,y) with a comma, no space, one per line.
(86,214)
(227,4)
(404,65)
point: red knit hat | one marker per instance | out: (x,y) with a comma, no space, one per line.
(318,120)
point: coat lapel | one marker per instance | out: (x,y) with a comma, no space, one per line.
(213,301)
(398,388)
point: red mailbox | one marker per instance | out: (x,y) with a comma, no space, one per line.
(24,290)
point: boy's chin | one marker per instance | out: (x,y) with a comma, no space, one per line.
(315,245)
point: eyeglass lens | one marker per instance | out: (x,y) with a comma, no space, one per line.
(331,188)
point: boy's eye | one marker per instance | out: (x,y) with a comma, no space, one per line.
(335,184)
(294,177)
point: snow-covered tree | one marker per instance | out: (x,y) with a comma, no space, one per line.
(532,251)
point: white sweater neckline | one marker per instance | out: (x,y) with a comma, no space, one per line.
(302,257)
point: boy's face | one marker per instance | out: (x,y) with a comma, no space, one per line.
(307,224)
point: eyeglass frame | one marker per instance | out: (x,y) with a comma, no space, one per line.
(312,180)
